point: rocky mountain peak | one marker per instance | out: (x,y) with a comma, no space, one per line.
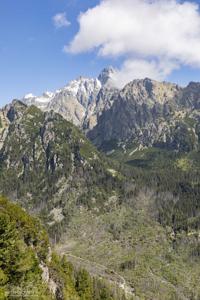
(9,114)
(150,91)
(14,110)
(191,96)
(193,84)
(141,104)
(80,101)
(84,89)
(106,75)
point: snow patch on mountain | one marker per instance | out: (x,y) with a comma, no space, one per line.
(80,101)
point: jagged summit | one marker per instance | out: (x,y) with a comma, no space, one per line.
(105,77)
(80,101)
(82,87)
(148,91)
(145,112)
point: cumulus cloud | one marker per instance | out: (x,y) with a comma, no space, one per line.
(140,69)
(154,36)
(60,20)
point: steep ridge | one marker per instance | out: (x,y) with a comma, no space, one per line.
(147,113)
(7,115)
(73,100)
(81,101)
(49,166)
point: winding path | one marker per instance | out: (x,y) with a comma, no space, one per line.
(96,269)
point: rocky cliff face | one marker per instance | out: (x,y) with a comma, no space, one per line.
(9,114)
(144,113)
(149,113)
(79,102)
(74,100)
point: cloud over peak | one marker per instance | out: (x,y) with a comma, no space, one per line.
(155,36)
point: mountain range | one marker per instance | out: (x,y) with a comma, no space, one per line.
(144,113)
(81,101)
(113,175)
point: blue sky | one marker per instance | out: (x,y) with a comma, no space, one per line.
(31,48)
(31,56)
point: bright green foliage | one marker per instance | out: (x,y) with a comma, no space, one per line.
(77,284)
(84,285)
(23,243)
(63,274)
(23,248)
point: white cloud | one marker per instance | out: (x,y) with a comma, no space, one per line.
(155,36)
(60,20)
(139,68)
